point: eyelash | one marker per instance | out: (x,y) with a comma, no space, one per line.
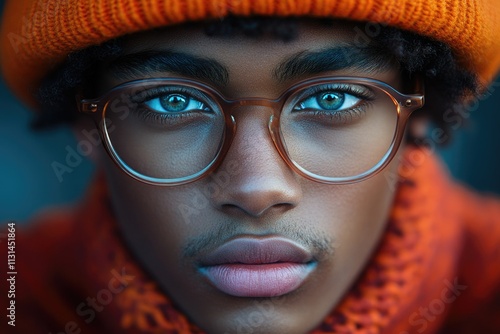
(164,118)
(346,89)
(340,116)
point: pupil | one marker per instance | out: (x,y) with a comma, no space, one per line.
(331,101)
(174,102)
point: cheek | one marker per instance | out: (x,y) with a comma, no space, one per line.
(155,207)
(151,218)
(156,231)
(354,217)
(364,221)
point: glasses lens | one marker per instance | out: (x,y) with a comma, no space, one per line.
(338,129)
(165,131)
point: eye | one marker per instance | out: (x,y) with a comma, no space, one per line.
(328,100)
(175,103)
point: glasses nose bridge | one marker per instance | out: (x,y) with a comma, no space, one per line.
(274,105)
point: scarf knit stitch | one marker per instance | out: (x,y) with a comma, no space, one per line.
(415,268)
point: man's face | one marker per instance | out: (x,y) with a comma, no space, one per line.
(254,247)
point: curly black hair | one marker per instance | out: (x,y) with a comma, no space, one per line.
(447,83)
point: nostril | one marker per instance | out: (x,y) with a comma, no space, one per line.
(283,206)
(256,210)
(229,207)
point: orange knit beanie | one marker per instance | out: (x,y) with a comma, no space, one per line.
(37,35)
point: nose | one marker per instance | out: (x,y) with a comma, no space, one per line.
(264,183)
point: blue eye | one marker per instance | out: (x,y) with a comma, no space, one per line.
(328,100)
(175,103)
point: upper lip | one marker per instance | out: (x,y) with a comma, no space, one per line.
(253,250)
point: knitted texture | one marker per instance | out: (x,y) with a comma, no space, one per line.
(426,249)
(37,35)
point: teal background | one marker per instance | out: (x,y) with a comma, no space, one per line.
(27,180)
(28,183)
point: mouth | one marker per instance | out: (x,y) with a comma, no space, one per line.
(256,267)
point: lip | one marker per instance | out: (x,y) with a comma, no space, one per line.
(257,267)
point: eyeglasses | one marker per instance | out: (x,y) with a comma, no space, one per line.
(173,131)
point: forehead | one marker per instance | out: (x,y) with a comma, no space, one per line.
(193,38)
(250,61)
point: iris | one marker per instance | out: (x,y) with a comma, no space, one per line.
(174,102)
(330,100)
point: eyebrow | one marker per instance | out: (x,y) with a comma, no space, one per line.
(147,63)
(371,59)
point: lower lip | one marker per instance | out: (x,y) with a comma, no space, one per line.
(258,280)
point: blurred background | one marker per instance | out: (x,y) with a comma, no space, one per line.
(29,184)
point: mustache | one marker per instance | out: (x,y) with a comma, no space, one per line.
(317,242)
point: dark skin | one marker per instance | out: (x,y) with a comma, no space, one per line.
(340,225)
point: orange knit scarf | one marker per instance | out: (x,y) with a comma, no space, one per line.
(415,262)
